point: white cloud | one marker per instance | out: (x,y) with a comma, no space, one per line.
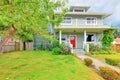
(107,6)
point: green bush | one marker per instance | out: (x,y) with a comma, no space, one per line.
(112,61)
(119,64)
(55,44)
(88,61)
(93,47)
(56,51)
(64,49)
(103,52)
(108,73)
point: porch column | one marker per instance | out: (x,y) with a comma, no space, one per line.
(60,35)
(85,37)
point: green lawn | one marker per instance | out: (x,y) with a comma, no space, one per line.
(42,65)
(103,56)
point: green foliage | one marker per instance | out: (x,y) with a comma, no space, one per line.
(61,49)
(41,65)
(30,16)
(103,52)
(55,43)
(113,61)
(109,74)
(64,49)
(93,47)
(56,51)
(108,38)
(88,61)
(117,34)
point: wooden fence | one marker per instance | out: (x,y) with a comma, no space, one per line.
(12,46)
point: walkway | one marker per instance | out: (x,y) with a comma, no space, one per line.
(98,63)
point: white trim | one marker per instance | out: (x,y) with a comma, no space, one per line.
(91,24)
(85,40)
(60,35)
(76,39)
(67,23)
(76,22)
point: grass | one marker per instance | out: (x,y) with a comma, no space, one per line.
(103,56)
(42,65)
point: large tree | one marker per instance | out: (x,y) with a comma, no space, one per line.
(29,16)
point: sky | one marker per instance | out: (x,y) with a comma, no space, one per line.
(105,6)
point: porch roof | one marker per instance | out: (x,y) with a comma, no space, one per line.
(81,29)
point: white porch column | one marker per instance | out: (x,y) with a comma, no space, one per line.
(60,35)
(85,36)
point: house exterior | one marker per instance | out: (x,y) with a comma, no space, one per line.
(81,27)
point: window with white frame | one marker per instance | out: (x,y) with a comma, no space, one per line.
(64,37)
(90,37)
(91,21)
(78,10)
(67,20)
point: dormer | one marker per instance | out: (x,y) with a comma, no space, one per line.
(79,8)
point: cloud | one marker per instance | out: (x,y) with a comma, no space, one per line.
(105,6)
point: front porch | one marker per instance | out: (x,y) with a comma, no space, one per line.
(80,39)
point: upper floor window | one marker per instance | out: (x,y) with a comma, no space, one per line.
(78,10)
(67,20)
(91,21)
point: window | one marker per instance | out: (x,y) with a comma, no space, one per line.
(64,37)
(90,37)
(91,21)
(78,10)
(67,20)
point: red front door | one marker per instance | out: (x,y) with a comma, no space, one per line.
(73,41)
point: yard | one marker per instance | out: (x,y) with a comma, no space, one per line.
(42,65)
(103,56)
(112,59)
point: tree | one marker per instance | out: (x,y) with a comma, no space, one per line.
(117,34)
(30,16)
(108,38)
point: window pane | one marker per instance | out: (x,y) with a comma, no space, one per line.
(64,37)
(90,38)
(67,20)
(91,20)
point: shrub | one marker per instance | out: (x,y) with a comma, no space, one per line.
(64,49)
(103,52)
(112,61)
(109,73)
(55,44)
(93,47)
(88,61)
(119,64)
(56,51)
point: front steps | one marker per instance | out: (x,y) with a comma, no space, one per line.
(79,51)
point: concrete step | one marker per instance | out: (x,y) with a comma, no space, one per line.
(79,51)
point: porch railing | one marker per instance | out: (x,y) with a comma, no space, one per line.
(86,46)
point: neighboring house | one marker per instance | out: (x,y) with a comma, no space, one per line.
(116,41)
(81,27)
(116,45)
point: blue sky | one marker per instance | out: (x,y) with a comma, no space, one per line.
(105,6)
